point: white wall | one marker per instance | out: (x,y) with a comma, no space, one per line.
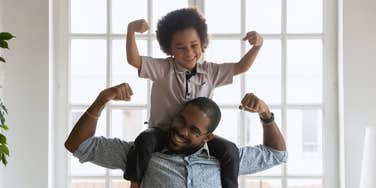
(1,82)
(359,66)
(26,93)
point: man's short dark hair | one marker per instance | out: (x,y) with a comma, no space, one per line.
(210,108)
(178,20)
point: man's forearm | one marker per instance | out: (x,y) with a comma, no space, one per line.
(86,125)
(272,135)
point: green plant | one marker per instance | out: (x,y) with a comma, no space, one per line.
(4,150)
(4,37)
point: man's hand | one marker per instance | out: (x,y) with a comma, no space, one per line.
(252,103)
(254,39)
(117,93)
(139,26)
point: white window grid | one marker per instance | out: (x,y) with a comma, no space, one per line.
(283,36)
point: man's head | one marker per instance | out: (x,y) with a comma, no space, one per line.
(194,125)
(183,34)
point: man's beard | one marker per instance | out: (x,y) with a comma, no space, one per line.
(185,150)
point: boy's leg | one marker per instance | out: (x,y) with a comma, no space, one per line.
(228,155)
(148,142)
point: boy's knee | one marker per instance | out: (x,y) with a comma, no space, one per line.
(145,138)
(231,152)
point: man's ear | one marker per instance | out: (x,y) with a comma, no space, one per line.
(209,136)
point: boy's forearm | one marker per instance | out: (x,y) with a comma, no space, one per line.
(86,125)
(246,61)
(133,56)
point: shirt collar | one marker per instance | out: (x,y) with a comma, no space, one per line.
(181,70)
(203,150)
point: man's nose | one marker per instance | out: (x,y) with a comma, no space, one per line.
(184,132)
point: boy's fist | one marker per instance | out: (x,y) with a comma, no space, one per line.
(254,38)
(139,26)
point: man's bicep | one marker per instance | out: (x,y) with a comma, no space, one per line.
(105,152)
(258,158)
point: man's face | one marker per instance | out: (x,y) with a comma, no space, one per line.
(189,129)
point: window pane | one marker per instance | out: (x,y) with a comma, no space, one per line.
(264,183)
(127,124)
(123,72)
(304,16)
(304,142)
(124,12)
(264,76)
(120,184)
(308,183)
(221,51)
(304,71)
(223,96)
(88,16)
(223,16)
(88,69)
(229,125)
(88,183)
(263,16)
(162,7)
(256,136)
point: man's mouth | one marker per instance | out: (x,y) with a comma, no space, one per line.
(177,139)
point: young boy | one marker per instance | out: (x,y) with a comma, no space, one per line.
(182,34)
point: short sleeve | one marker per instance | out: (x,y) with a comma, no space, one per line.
(106,152)
(220,74)
(258,158)
(153,68)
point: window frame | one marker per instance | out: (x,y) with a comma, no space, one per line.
(330,114)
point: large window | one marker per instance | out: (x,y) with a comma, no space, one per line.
(288,74)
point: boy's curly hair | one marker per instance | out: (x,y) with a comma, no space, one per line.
(178,20)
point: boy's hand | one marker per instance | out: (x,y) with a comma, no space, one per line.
(254,39)
(139,26)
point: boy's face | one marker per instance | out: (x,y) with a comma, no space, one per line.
(189,130)
(186,48)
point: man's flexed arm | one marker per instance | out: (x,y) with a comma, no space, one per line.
(272,136)
(133,57)
(87,124)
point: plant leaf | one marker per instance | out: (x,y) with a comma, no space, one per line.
(3,159)
(2,59)
(3,44)
(2,106)
(2,119)
(4,126)
(4,149)
(3,139)
(6,36)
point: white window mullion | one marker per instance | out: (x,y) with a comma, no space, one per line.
(284,83)
(108,79)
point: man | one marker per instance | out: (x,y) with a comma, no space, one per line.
(186,161)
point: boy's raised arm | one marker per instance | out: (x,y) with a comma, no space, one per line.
(133,57)
(247,60)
